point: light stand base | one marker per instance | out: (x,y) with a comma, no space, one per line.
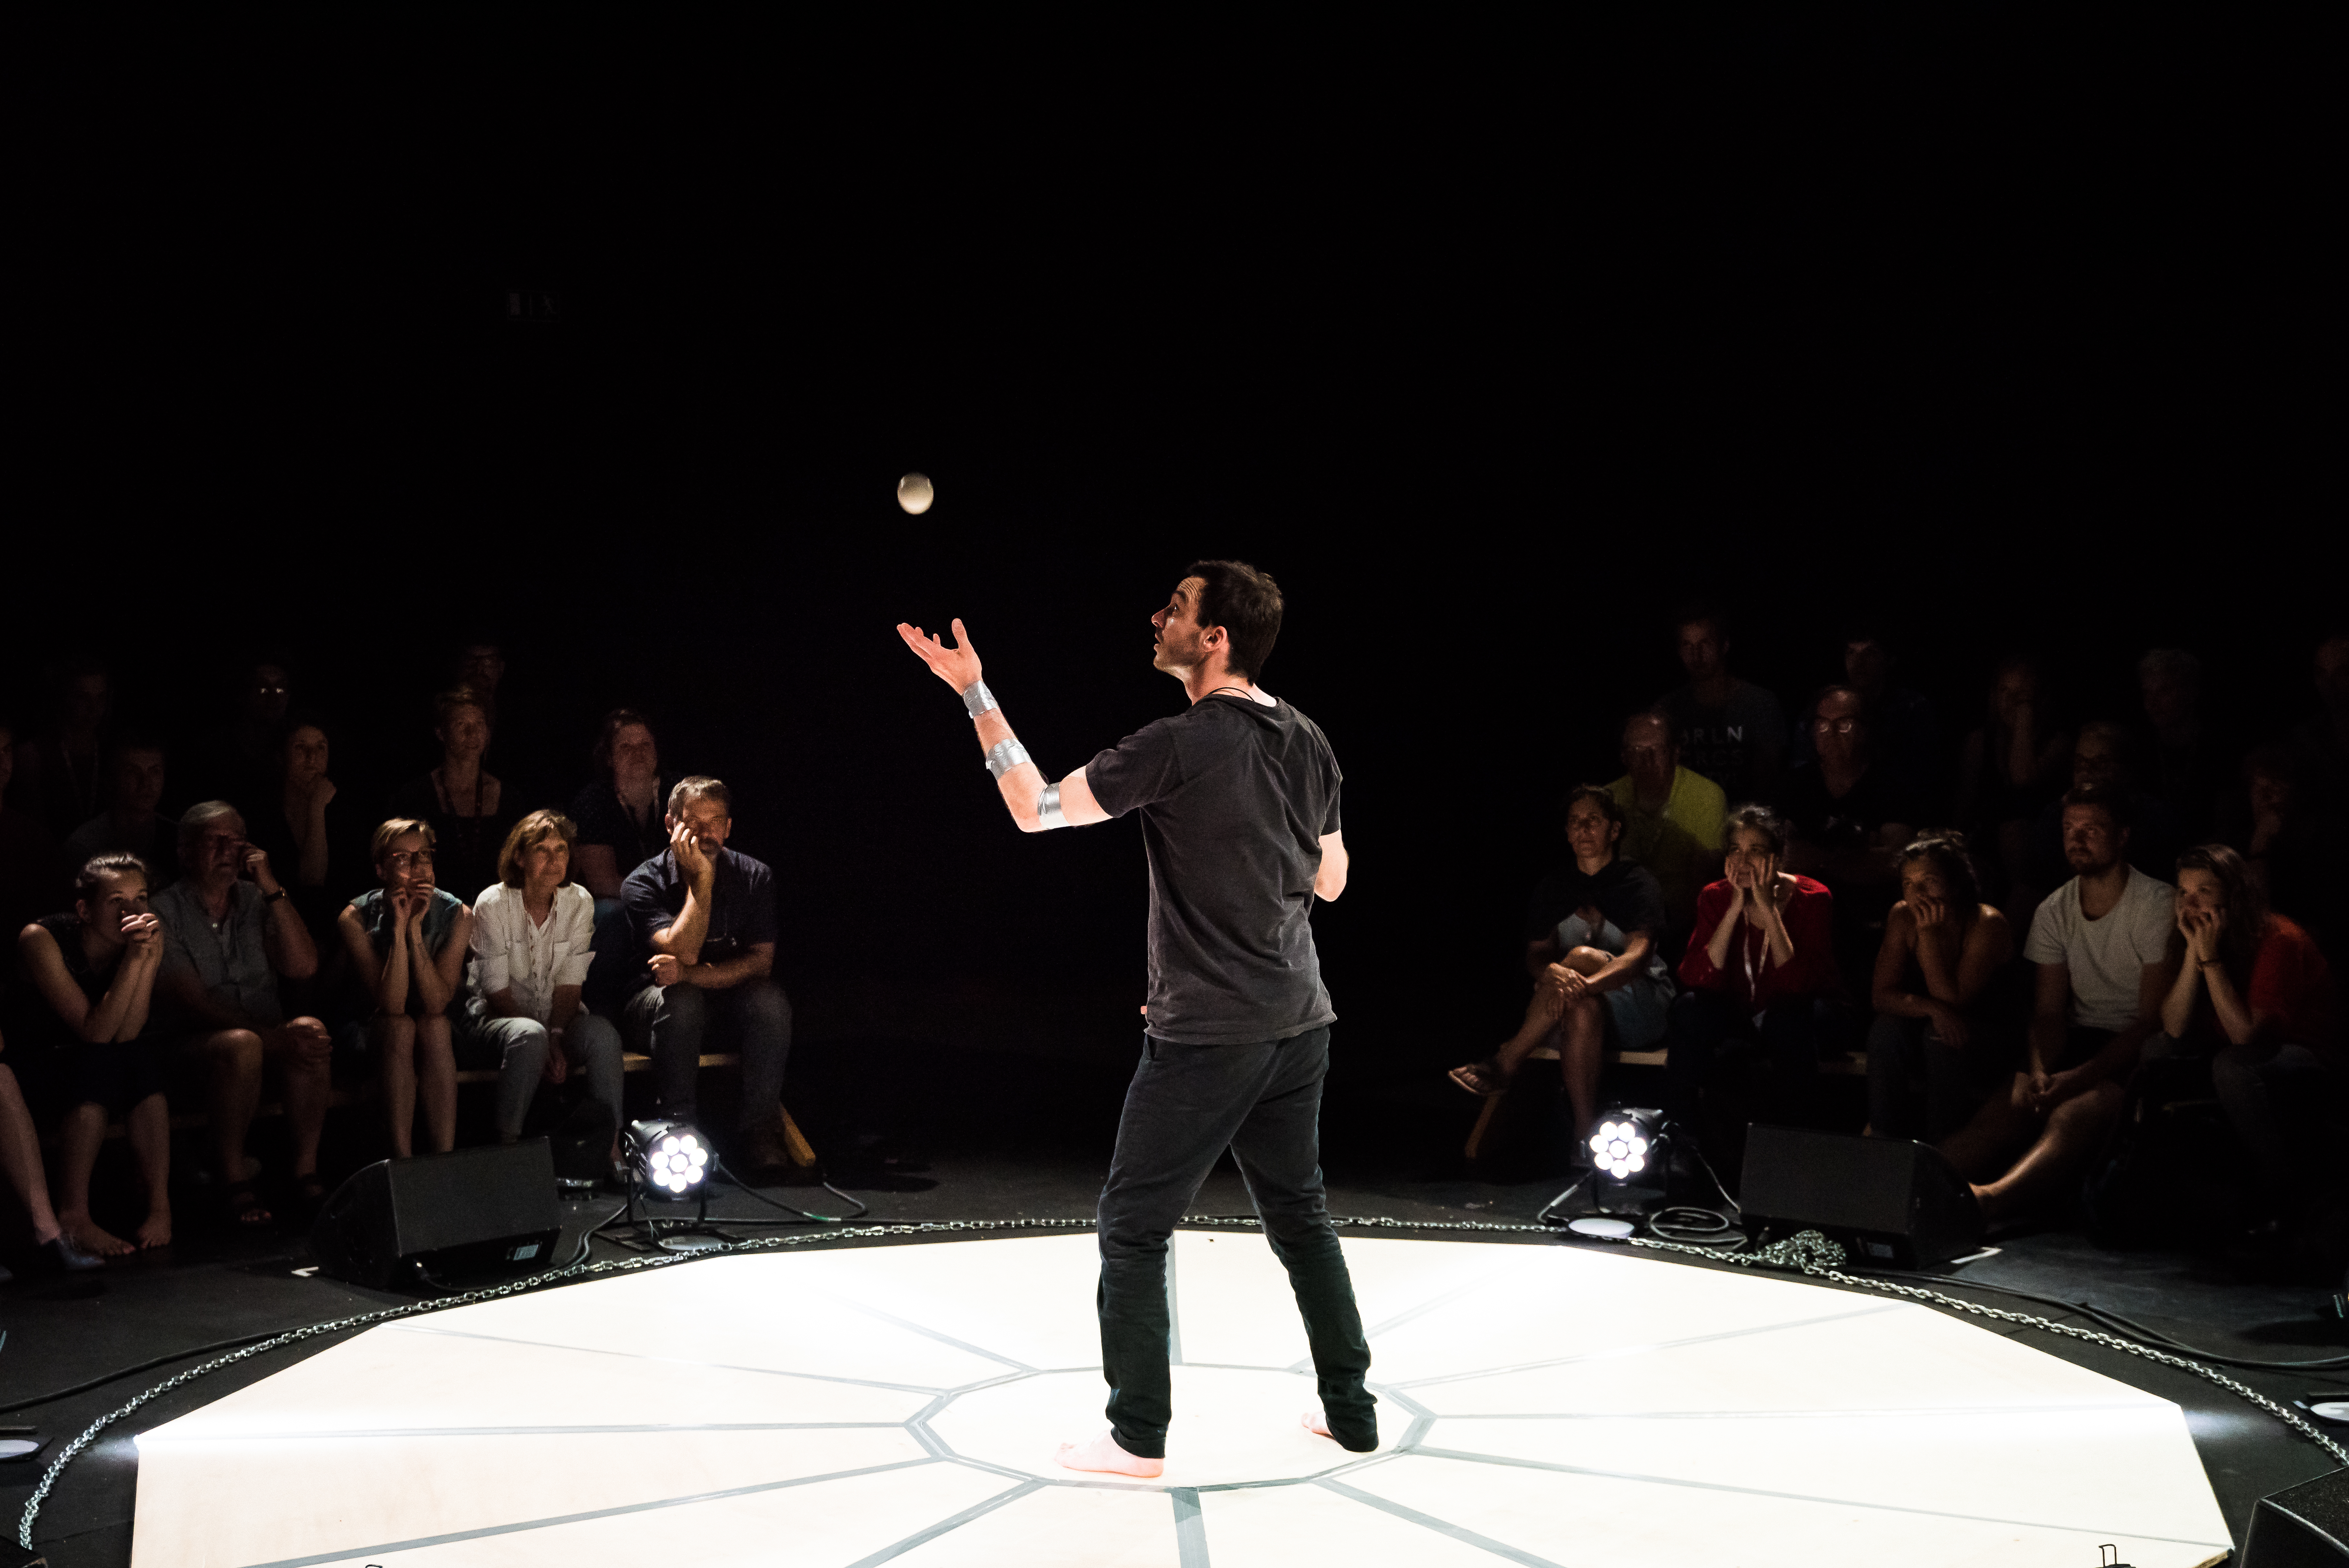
(1603,1225)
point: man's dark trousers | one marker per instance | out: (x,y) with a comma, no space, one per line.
(1186,1105)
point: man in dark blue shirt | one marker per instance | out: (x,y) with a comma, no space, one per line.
(706,915)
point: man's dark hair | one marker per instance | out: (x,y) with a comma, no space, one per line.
(2115,801)
(136,741)
(1246,603)
(700,786)
(90,880)
(1598,795)
(1688,612)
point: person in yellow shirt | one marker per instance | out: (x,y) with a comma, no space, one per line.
(1671,819)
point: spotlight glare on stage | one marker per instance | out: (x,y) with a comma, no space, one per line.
(670,1157)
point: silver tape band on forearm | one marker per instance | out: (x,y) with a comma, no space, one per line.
(1047,808)
(977,699)
(1005,755)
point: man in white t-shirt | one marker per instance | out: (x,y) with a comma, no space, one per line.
(2101,943)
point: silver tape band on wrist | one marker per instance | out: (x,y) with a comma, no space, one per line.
(977,699)
(1005,755)
(1048,808)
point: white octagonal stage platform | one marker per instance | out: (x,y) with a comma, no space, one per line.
(846,1409)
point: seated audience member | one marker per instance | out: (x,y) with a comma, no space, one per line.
(706,914)
(20,1154)
(1945,1017)
(1760,966)
(2254,989)
(1731,730)
(2100,944)
(2296,854)
(2323,740)
(230,933)
(2188,763)
(30,879)
(2103,757)
(130,825)
(1591,950)
(1845,815)
(408,941)
(1671,822)
(62,775)
(89,979)
(620,829)
(301,822)
(2007,771)
(238,760)
(533,934)
(462,801)
(1904,733)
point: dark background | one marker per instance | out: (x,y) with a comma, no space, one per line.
(1989,347)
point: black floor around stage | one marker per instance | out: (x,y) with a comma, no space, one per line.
(996,1151)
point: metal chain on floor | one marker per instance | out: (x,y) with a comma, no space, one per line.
(1814,1254)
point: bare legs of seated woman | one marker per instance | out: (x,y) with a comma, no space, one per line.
(2020,1149)
(1576,1025)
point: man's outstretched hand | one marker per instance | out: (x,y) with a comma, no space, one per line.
(957,666)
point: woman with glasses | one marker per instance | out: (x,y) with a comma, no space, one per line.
(407,941)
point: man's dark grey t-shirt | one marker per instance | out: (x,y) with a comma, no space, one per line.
(1234,797)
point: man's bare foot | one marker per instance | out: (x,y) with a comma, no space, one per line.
(1103,1454)
(90,1238)
(156,1231)
(1318,1424)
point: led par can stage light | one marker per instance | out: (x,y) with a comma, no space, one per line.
(1629,1145)
(670,1159)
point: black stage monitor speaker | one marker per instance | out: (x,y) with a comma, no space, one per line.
(473,1215)
(2305,1526)
(1886,1200)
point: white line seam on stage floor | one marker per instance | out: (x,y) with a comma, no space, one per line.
(1190,1530)
(680,1361)
(1422,1308)
(1442,1527)
(489,1530)
(1619,1353)
(1795,1496)
(874,1312)
(922,1537)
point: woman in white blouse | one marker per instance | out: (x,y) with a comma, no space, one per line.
(533,935)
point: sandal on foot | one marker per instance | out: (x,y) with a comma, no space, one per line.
(1482,1079)
(244,1208)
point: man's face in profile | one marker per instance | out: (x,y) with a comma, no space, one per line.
(1180,643)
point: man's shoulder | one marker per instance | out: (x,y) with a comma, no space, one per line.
(747,865)
(1690,789)
(656,872)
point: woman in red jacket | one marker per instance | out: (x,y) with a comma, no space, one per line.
(1760,966)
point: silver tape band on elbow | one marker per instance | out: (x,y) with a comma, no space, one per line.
(1047,808)
(1005,755)
(977,699)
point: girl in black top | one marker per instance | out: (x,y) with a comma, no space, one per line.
(94,975)
(463,801)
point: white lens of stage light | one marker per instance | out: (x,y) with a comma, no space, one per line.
(915,493)
(669,1145)
(700,1156)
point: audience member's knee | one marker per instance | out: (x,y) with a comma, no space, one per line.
(2234,1070)
(682,1004)
(525,1038)
(764,1000)
(234,1050)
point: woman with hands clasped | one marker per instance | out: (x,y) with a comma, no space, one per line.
(1760,967)
(2255,989)
(95,972)
(408,941)
(1944,1035)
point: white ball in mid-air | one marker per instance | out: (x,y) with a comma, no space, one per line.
(914,495)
